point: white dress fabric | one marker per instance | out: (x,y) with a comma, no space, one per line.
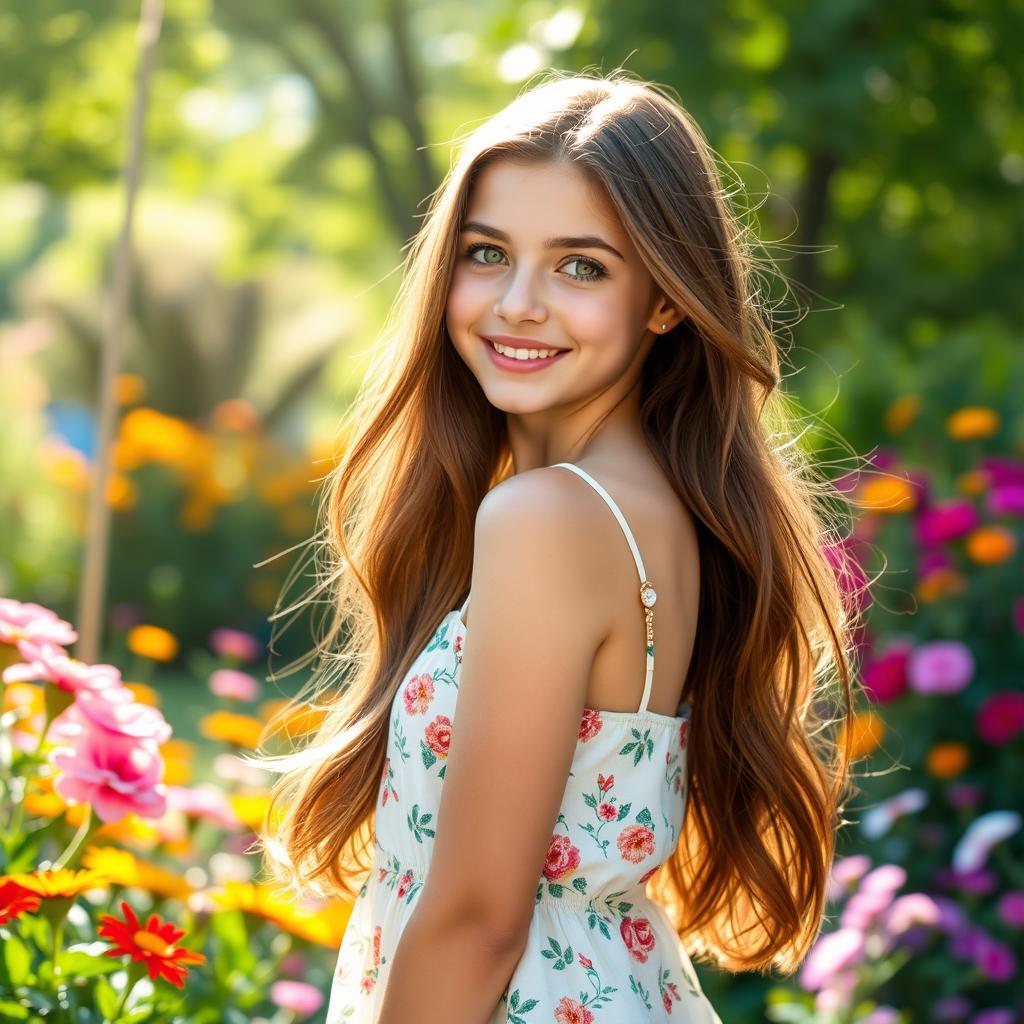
(599,949)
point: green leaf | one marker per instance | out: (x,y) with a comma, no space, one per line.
(79,964)
(12,1011)
(106,997)
(17,961)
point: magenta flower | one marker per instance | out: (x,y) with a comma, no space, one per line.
(234,685)
(885,677)
(233,643)
(831,954)
(1001,717)
(116,775)
(942,666)
(301,998)
(114,713)
(46,662)
(1011,908)
(995,1015)
(29,621)
(996,960)
(1006,499)
(945,521)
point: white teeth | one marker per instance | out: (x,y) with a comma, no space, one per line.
(525,353)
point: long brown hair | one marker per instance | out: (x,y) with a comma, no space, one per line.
(773,662)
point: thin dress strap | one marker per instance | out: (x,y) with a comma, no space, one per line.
(647,594)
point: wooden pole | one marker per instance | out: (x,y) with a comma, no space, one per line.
(92,589)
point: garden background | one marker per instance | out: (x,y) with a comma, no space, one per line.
(288,151)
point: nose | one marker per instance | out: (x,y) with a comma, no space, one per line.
(520,300)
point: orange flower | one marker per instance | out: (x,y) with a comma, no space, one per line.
(972,422)
(324,926)
(947,760)
(235,414)
(16,899)
(901,413)
(939,583)
(124,868)
(242,730)
(990,545)
(868,731)
(152,642)
(122,494)
(154,944)
(973,482)
(145,694)
(129,389)
(887,494)
(178,757)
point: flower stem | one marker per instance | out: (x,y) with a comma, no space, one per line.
(79,837)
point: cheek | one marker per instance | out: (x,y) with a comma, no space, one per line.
(467,297)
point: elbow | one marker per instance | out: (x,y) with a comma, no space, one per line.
(496,929)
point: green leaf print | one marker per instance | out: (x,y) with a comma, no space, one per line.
(515,1010)
(595,920)
(396,726)
(429,757)
(644,817)
(580,885)
(639,745)
(439,641)
(561,957)
(623,811)
(640,991)
(417,825)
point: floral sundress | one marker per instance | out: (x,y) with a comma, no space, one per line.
(599,949)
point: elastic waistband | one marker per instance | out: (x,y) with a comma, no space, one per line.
(407,876)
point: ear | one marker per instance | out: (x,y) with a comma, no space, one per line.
(665,312)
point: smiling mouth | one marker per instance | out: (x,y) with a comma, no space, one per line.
(524,353)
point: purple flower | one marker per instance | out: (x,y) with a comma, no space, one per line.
(952,1008)
(995,1015)
(887,878)
(995,960)
(979,882)
(940,667)
(1011,908)
(951,915)
(831,954)
(945,521)
(963,794)
(967,943)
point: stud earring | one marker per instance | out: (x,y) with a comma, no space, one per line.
(663,326)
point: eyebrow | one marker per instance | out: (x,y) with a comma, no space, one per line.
(563,242)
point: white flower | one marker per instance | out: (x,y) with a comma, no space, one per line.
(982,834)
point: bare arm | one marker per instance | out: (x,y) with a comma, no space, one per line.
(523,685)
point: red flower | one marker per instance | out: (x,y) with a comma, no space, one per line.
(605,783)
(608,812)
(635,842)
(569,1011)
(405,884)
(154,944)
(16,899)
(586,962)
(439,735)
(590,724)
(419,692)
(562,858)
(667,1000)
(638,936)
(376,946)
(683,725)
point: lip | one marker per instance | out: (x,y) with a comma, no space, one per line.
(518,365)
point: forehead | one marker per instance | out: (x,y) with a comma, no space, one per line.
(556,198)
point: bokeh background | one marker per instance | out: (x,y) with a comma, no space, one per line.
(877,148)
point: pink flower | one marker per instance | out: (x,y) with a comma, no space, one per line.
(29,621)
(864,909)
(1006,499)
(911,909)
(945,521)
(204,801)
(585,961)
(301,998)
(590,724)
(115,774)
(847,872)
(438,735)
(638,936)
(1001,717)
(886,878)
(996,960)
(376,945)
(569,1011)
(562,858)
(607,811)
(635,842)
(419,692)
(605,783)
(942,666)
(234,643)
(404,884)
(234,685)
(885,677)
(115,713)
(47,662)
(831,954)
(1011,908)
(971,852)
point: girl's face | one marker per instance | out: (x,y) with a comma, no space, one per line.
(544,263)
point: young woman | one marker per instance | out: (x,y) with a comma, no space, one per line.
(575,419)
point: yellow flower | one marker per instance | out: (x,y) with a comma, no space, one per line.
(133,831)
(129,389)
(324,926)
(947,760)
(124,868)
(179,756)
(867,734)
(972,422)
(251,808)
(144,694)
(152,642)
(990,545)
(65,466)
(122,494)
(901,413)
(888,494)
(60,884)
(242,730)
(940,583)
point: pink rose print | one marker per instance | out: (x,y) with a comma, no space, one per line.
(590,724)
(563,857)
(367,983)
(376,946)
(405,884)
(609,812)
(635,842)
(569,1011)
(439,735)
(638,937)
(419,692)
(683,725)
(586,962)
(458,648)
